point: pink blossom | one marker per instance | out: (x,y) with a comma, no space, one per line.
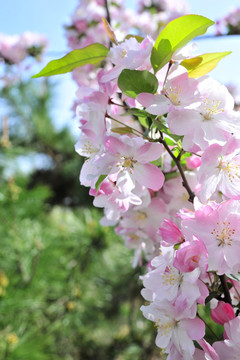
(178,92)
(194,161)
(212,120)
(167,283)
(145,217)
(170,233)
(208,352)
(132,156)
(220,170)
(176,325)
(229,349)
(222,313)
(113,201)
(129,55)
(190,255)
(218,227)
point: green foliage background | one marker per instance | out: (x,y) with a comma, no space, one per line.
(67,287)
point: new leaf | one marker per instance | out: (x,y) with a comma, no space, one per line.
(91,54)
(175,35)
(203,64)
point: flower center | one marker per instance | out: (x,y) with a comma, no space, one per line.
(211,108)
(223,234)
(173,94)
(140,216)
(123,54)
(171,276)
(89,148)
(164,328)
(230,168)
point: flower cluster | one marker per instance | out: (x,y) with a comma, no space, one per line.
(230,23)
(188,133)
(161,140)
(14,49)
(86,25)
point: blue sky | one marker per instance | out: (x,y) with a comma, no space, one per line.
(49,16)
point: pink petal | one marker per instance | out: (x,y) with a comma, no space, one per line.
(149,175)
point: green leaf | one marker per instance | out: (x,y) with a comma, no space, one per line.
(122,130)
(99,182)
(144,121)
(175,35)
(91,54)
(134,82)
(163,128)
(137,37)
(203,64)
(136,112)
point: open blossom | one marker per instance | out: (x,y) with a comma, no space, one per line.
(129,55)
(176,325)
(229,349)
(168,283)
(218,227)
(212,120)
(220,170)
(208,352)
(130,158)
(179,92)
(114,202)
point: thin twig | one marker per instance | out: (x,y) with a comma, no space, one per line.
(227,296)
(179,166)
(107,11)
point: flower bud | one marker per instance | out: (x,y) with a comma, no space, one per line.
(170,233)
(222,313)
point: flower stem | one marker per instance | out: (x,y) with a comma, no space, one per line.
(180,169)
(226,292)
(107,11)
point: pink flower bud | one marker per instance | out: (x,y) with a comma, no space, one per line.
(190,255)
(170,233)
(222,313)
(193,162)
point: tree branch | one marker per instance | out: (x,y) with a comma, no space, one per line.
(227,296)
(107,11)
(179,166)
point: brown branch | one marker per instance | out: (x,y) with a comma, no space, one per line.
(177,161)
(227,297)
(107,11)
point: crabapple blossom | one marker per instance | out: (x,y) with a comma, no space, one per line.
(179,92)
(168,283)
(129,55)
(212,120)
(190,255)
(220,170)
(217,226)
(222,312)
(208,352)
(147,192)
(176,325)
(170,233)
(229,349)
(194,161)
(130,158)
